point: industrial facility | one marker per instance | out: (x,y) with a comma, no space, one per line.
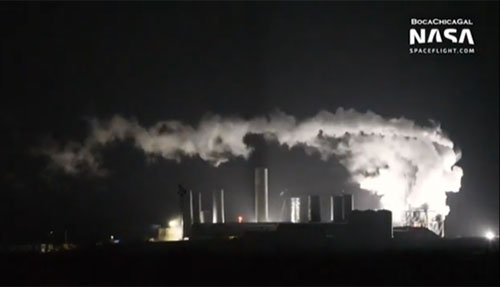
(301,216)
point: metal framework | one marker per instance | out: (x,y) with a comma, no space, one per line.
(421,217)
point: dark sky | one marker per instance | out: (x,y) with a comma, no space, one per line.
(63,62)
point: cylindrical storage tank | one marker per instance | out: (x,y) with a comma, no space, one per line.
(190,206)
(206,216)
(261,195)
(197,208)
(214,207)
(348,203)
(202,216)
(286,209)
(187,213)
(304,209)
(295,209)
(200,207)
(220,207)
(386,222)
(331,208)
(338,208)
(315,210)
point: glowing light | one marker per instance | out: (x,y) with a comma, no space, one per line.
(174,230)
(111,237)
(240,219)
(174,223)
(489,235)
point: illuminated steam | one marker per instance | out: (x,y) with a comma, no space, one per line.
(406,164)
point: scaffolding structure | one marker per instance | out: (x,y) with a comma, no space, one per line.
(422,217)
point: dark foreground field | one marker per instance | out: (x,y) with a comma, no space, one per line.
(256,262)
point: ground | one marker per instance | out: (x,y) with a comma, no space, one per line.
(239,262)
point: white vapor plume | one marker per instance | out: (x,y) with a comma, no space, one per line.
(408,165)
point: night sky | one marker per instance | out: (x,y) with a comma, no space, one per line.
(61,63)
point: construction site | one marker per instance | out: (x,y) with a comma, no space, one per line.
(202,247)
(300,218)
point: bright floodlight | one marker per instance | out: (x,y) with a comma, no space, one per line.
(489,235)
(174,230)
(174,223)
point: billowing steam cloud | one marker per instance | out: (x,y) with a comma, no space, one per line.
(406,164)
